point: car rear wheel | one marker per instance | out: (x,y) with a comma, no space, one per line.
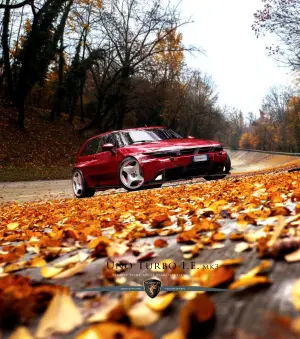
(131,174)
(80,187)
(227,166)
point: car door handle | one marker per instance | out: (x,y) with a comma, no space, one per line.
(94,157)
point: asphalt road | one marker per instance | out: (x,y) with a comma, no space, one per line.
(23,191)
(242,162)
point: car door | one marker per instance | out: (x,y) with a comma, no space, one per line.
(105,166)
(87,160)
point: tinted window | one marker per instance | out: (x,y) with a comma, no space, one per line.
(148,135)
(107,139)
(111,140)
(91,147)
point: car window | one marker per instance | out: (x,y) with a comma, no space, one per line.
(119,141)
(106,139)
(111,140)
(91,147)
(148,135)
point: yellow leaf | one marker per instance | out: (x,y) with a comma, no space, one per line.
(70,272)
(79,257)
(12,226)
(104,311)
(36,262)
(140,315)
(61,316)
(50,271)
(176,334)
(93,243)
(296,295)
(21,333)
(161,302)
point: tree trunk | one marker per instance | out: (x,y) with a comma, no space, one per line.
(5,49)
(81,101)
(14,71)
(83,57)
(59,94)
(123,90)
(73,107)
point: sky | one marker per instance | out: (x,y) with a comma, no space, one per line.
(236,59)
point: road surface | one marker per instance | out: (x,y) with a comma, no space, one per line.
(242,162)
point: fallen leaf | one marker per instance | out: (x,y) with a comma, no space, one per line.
(161,302)
(50,271)
(295,326)
(21,333)
(277,230)
(293,257)
(241,247)
(280,210)
(15,266)
(281,247)
(214,277)
(62,316)
(111,330)
(264,265)
(296,295)
(79,257)
(176,334)
(160,243)
(95,242)
(13,226)
(105,311)
(141,315)
(196,312)
(36,262)
(229,262)
(249,282)
(70,272)
(128,299)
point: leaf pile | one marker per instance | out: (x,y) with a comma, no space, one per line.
(62,238)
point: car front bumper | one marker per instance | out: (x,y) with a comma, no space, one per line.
(180,167)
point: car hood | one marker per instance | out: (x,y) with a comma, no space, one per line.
(171,144)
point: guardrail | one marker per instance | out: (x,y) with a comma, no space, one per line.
(268,152)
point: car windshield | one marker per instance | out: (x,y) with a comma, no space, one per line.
(148,135)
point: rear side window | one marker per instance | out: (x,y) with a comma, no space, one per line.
(91,147)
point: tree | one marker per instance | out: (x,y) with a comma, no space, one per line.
(5,50)
(39,49)
(248,140)
(235,126)
(275,105)
(134,29)
(7,4)
(281,17)
(294,122)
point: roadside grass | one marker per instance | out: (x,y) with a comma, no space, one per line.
(26,173)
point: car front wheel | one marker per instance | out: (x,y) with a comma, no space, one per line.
(80,187)
(131,174)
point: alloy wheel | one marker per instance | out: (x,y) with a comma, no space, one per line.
(77,183)
(131,174)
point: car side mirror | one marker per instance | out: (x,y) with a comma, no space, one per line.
(108,147)
(191,137)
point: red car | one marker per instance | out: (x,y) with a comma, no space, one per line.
(144,157)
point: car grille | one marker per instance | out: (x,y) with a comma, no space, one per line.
(185,151)
(198,150)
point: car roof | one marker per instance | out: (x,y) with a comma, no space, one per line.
(126,130)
